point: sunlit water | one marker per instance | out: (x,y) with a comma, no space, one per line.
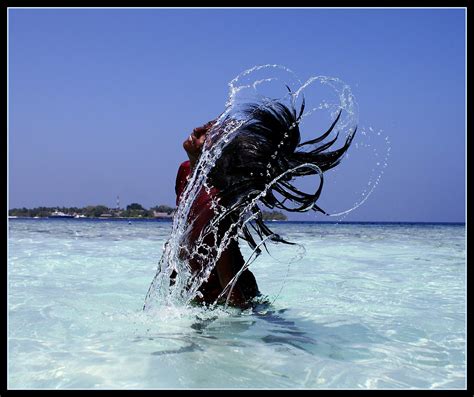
(369,306)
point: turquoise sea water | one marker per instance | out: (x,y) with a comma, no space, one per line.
(368,306)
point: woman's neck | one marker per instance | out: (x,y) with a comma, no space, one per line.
(192,160)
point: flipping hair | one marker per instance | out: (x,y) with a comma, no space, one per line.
(267,148)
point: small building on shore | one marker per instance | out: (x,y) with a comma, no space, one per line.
(163,215)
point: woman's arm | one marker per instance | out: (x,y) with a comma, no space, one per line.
(225,273)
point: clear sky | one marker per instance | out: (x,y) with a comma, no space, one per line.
(100,100)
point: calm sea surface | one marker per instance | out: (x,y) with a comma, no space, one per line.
(368,306)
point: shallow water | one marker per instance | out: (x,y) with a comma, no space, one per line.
(368,306)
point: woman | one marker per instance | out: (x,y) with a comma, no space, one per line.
(230,260)
(257,165)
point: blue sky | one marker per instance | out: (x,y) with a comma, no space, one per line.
(100,100)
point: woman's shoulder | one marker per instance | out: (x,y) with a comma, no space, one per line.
(185,165)
(184,169)
(182,178)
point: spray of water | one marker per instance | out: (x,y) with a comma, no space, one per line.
(259,85)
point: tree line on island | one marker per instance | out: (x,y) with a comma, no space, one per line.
(133,210)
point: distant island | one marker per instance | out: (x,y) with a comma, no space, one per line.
(133,210)
(273,216)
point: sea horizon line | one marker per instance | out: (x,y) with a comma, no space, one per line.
(159,219)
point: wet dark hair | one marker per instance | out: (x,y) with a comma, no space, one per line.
(266,146)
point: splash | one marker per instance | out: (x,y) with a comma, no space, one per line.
(260,85)
(372,154)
